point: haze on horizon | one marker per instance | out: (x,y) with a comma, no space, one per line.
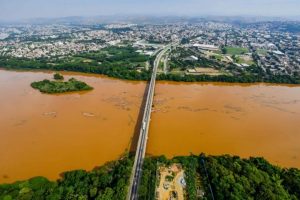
(20,9)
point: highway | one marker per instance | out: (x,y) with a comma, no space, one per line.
(143,137)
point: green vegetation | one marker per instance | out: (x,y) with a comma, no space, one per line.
(180,60)
(262,51)
(109,182)
(58,76)
(231,73)
(224,177)
(234,50)
(240,60)
(216,57)
(229,177)
(148,180)
(169,178)
(242,78)
(118,62)
(126,63)
(51,87)
(254,178)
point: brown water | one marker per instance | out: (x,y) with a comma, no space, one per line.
(45,135)
(241,119)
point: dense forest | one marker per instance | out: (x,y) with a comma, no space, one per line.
(222,177)
(243,78)
(254,178)
(118,62)
(51,87)
(109,182)
(227,177)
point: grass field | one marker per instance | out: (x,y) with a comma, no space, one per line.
(218,56)
(241,59)
(262,51)
(236,50)
(176,71)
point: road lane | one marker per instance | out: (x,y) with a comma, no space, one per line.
(142,142)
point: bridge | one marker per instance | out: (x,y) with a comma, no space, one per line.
(143,137)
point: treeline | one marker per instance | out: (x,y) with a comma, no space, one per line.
(126,63)
(244,78)
(109,69)
(109,182)
(118,62)
(227,178)
(222,177)
(252,74)
(254,178)
(148,181)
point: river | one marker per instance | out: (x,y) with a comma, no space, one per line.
(221,118)
(44,135)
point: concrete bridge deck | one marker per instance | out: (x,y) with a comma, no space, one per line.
(143,136)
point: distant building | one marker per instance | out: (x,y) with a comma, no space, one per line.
(191,58)
(278,53)
(191,71)
(206,47)
(149,53)
(245,65)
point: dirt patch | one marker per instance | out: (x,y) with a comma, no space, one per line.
(204,70)
(171,183)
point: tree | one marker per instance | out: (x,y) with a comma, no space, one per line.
(106,195)
(58,76)
(224,50)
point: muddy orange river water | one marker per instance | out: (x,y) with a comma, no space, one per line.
(218,118)
(44,135)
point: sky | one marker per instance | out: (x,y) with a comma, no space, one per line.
(27,9)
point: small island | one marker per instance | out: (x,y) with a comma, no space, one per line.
(52,87)
(58,76)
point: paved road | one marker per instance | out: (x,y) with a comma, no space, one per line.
(143,137)
(166,64)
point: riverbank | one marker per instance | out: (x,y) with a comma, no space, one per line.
(109,181)
(221,177)
(136,75)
